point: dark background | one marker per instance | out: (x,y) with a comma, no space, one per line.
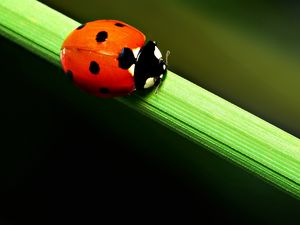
(68,157)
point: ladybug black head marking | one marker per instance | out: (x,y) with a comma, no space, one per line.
(150,67)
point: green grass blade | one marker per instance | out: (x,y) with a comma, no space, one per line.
(41,34)
(184,107)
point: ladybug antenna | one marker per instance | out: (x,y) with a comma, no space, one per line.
(167,56)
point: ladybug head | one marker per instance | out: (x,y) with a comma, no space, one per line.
(150,67)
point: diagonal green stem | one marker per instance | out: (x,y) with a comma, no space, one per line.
(184,107)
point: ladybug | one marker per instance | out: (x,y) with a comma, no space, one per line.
(109,58)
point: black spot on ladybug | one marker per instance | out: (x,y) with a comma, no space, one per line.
(101,36)
(104,90)
(69,75)
(80,27)
(119,25)
(94,67)
(126,58)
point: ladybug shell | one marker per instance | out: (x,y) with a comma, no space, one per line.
(90,53)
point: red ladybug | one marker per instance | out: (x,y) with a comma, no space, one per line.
(109,58)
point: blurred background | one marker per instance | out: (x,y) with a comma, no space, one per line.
(69,157)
